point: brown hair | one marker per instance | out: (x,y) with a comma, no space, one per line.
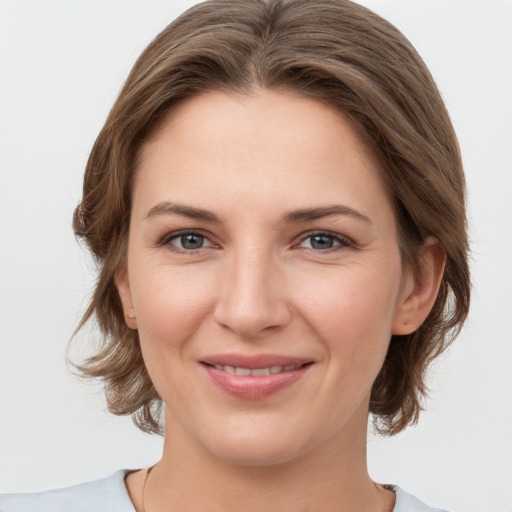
(337,52)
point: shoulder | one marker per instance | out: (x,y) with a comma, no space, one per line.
(105,495)
(408,503)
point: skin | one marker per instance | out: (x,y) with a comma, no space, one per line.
(261,284)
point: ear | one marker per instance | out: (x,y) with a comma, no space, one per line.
(420,291)
(123,288)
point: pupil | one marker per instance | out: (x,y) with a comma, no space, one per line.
(192,241)
(321,242)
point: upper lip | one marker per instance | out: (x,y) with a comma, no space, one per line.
(254,361)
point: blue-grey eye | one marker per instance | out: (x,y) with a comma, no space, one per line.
(321,241)
(324,241)
(190,241)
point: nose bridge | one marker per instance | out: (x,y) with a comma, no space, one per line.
(252,299)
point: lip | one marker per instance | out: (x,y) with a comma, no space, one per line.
(254,387)
(256,361)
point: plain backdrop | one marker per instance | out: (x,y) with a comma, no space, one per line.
(61,66)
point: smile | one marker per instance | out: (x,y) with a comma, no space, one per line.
(254,378)
(269,370)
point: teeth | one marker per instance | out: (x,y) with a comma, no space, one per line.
(260,371)
(272,370)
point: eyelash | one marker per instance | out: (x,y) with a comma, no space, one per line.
(168,238)
(342,242)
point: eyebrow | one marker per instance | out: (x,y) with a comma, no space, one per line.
(325,211)
(183,210)
(294,216)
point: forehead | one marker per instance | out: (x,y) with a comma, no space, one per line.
(264,145)
(252,115)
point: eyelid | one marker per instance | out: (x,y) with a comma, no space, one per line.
(344,241)
(167,238)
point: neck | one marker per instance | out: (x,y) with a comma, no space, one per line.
(333,476)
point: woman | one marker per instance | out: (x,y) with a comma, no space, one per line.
(276,202)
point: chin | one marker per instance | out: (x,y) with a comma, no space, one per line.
(258,445)
(250,454)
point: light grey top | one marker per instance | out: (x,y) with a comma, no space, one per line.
(110,495)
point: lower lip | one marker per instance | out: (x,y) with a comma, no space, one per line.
(253,387)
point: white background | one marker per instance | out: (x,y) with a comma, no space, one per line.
(61,65)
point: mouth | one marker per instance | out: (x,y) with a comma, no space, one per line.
(268,370)
(254,378)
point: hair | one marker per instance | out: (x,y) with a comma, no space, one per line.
(334,51)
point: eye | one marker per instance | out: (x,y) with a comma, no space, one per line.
(324,242)
(186,241)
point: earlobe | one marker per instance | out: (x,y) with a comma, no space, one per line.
(420,291)
(123,288)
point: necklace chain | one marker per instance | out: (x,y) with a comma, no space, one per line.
(148,471)
(144,487)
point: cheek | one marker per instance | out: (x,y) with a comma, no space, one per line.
(170,303)
(352,311)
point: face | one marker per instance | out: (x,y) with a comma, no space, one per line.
(264,275)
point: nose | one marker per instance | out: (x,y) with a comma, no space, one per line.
(252,301)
